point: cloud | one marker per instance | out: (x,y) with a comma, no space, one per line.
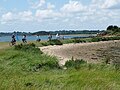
(7,17)
(73,6)
(71,10)
(106,4)
(50,6)
(38,4)
(48,13)
(42,15)
(26,16)
(11,17)
(73,14)
(111,4)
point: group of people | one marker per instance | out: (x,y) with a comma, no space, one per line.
(58,37)
(24,39)
(13,41)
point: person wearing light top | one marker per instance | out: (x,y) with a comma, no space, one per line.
(24,40)
(57,36)
(38,38)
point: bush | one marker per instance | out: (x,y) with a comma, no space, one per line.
(66,41)
(74,63)
(96,39)
(52,64)
(45,43)
(77,41)
(55,42)
(104,39)
(28,48)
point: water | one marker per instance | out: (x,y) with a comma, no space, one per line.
(45,37)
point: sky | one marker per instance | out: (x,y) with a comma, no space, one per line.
(51,15)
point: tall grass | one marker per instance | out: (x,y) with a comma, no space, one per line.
(23,70)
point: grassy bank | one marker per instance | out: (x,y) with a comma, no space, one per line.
(76,40)
(23,68)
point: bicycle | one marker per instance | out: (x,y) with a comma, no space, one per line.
(24,40)
(12,43)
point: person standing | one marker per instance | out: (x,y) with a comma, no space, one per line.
(38,38)
(24,40)
(57,36)
(50,37)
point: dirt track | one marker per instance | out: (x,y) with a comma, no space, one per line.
(91,52)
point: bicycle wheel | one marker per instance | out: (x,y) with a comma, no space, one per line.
(10,44)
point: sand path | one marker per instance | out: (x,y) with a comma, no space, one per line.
(85,51)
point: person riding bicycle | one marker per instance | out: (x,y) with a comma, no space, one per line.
(13,39)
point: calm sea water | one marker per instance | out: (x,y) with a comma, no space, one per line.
(33,38)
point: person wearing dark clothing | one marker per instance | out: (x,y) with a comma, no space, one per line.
(24,40)
(13,42)
(13,38)
(50,37)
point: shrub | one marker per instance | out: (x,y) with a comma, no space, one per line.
(96,39)
(77,41)
(66,41)
(104,39)
(45,43)
(115,38)
(74,63)
(55,42)
(28,48)
(52,64)
(32,44)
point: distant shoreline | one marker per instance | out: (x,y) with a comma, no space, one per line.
(53,35)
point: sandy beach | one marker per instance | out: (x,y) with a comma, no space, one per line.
(90,52)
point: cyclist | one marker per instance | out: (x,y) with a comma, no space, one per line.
(13,42)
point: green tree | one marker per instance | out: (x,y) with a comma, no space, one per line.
(113,29)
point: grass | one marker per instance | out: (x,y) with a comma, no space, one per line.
(62,80)
(76,40)
(24,70)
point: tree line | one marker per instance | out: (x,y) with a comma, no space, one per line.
(61,32)
(113,29)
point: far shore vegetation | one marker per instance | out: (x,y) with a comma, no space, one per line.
(61,32)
